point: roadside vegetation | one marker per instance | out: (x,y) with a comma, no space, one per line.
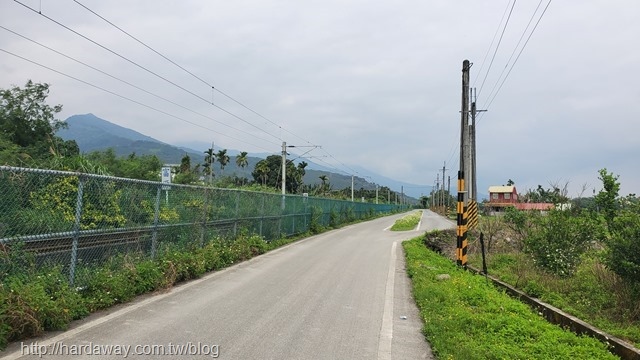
(584,260)
(466,317)
(408,222)
(36,296)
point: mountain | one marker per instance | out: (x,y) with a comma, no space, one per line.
(92,133)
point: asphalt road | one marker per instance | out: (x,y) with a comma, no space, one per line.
(343,294)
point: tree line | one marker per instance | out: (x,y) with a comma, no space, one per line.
(28,127)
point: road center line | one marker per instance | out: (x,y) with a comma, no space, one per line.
(386,329)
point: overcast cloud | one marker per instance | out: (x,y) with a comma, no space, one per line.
(376,84)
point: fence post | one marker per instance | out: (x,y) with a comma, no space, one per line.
(76,230)
(235,222)
(262,213)
(156,217)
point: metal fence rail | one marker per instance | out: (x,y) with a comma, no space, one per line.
(74,219)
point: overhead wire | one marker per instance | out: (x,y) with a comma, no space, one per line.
(133,85)
(524,32)
(497,46)
(123,97)
(492,41)
(189,72)
(518,57)
(166,80)
(142,67)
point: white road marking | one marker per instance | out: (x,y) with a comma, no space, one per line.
(386,329)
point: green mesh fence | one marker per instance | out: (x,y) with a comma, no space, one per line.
(75,220)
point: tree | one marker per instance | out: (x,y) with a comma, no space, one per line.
(241,159)
(186,175)
(262,172)
(27,121)
(324,180)
(606,199)
(223,158)
(209,159)
(271,170)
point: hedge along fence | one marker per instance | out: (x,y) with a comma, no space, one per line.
(77,220)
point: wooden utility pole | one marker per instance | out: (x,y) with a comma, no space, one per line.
(465,154)
(442,194)
(472,134)
(465,163)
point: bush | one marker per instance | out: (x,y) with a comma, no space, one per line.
(561,238)
(624,247)
(44,302)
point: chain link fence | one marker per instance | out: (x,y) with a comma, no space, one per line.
(77,220)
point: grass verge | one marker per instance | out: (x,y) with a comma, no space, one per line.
(408,222)
(467,318)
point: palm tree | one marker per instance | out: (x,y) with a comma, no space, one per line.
(324,180)
(223,158)
(263,169)
(299,175)
(242,161)
(209,159)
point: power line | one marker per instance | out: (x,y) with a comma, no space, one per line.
(497,46)
(133,85)
(124,97)
(188,72)
(515,49)
(165,79)
(492,41)
(518,57)
(141,67)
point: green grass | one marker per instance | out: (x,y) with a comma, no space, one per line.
(593,294)
(468,318)
(408,222)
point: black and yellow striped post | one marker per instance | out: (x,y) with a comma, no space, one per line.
(461,249)
(472,215)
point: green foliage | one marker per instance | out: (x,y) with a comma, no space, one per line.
(101,206)
(42,302)
(408,222)
(467,318)
(145,167)
(269,173)
(553,195)
(624,247)
(560,239)
(606,199)
(28,126)
(315,225)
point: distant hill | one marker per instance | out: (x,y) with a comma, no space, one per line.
(93,133)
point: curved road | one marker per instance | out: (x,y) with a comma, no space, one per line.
(343,294)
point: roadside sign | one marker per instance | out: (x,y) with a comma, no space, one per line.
(166,177)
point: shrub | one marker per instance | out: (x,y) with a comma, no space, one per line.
(624,247)
(561,238)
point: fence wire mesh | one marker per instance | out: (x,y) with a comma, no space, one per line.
(76,220)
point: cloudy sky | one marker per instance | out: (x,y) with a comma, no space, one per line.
(377,84)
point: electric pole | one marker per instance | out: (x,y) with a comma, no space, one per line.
(284,173)
(351,188)
(437,193)
(448,191)
(211,165)
(442,195)
(463,173)
(465,154)
(474,184)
